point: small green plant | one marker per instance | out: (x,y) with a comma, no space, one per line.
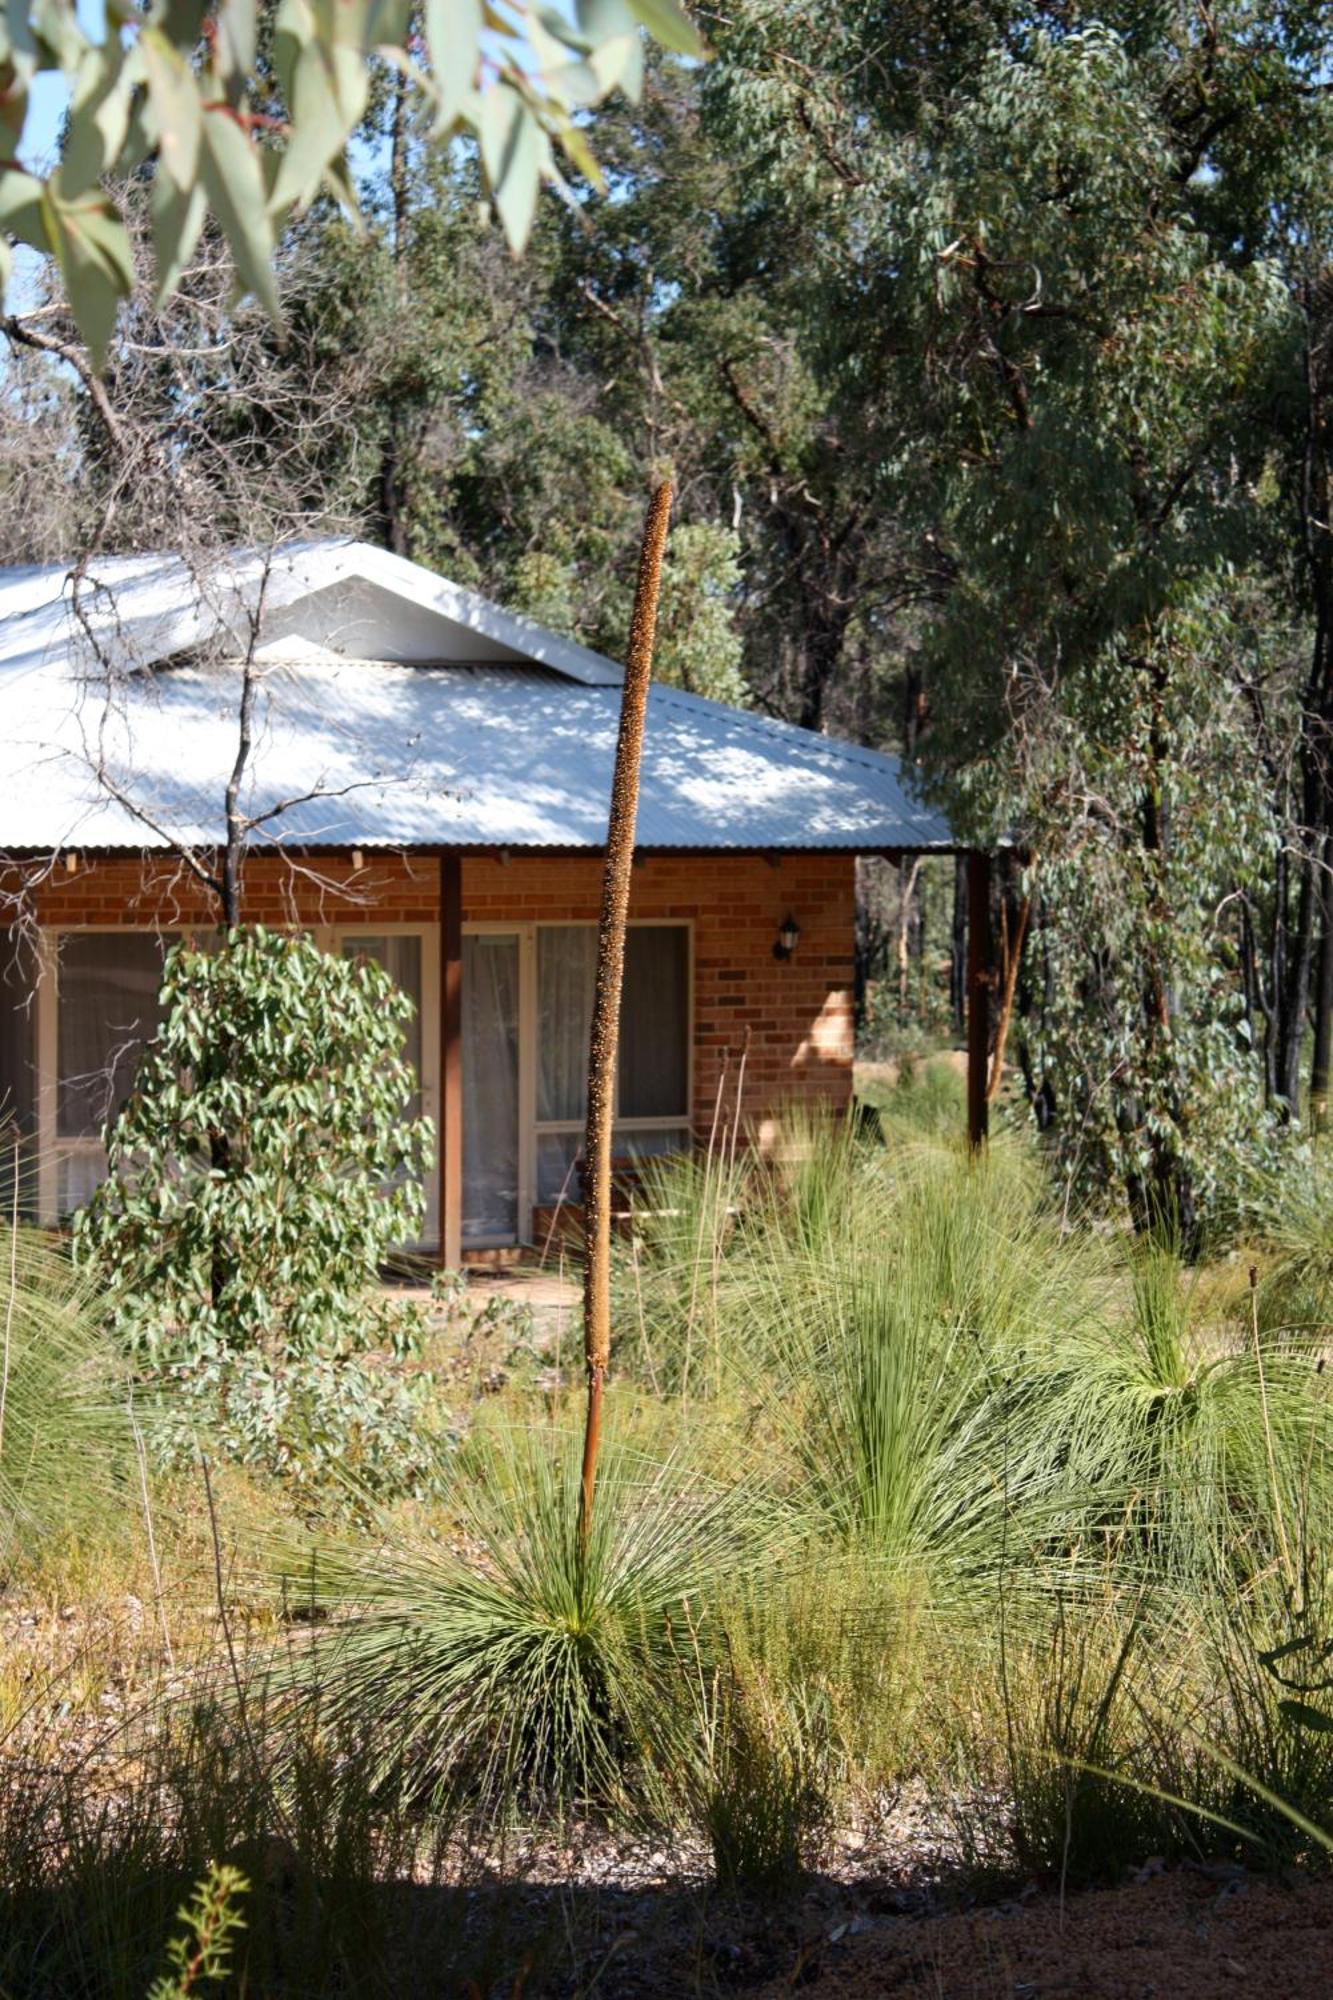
(65,1438)
(1079,1755)
(200,1955)
(258,1175)
(762,1782)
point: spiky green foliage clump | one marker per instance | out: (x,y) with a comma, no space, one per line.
(532,1671)
(65,1433)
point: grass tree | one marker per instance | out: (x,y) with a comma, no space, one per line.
(65,1436)
(604,1039)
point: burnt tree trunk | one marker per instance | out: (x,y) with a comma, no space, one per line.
(1323,995)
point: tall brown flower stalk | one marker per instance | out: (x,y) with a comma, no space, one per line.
(604,1040)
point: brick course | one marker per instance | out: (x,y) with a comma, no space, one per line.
(792,1019)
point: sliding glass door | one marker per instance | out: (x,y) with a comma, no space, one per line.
(527,1012)
(491,1149)
(402,956)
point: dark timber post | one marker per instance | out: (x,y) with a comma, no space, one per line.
(978,996)
(451,1061)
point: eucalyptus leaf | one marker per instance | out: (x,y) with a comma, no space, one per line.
(511,154)
(668,23)
(176,111)
(234,183)
(178,219)
(453,37)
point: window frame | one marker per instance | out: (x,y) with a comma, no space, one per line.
(531,1129)
(53,1149)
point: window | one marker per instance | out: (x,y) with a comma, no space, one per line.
(652,1083)
(400,955)
(107,1010)
(18,1068)
(100,1008)
(492,1146)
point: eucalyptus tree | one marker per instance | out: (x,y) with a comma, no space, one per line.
(1055,260)
(245,113)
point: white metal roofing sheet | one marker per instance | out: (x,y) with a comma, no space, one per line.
(490,753)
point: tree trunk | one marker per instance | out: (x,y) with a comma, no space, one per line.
(392,502)
(1166,1199)
(1323,1002)
(1316,747)
(1014,931)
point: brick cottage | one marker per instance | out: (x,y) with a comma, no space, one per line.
(424,780)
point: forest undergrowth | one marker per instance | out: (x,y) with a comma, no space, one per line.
(911,1492)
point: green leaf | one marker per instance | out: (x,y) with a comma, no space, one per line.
(21,209)
(93,251)
(293,26)
(328,98)
(618,64)
(55,26)
(668,23)
(177,116)
(99,117)
(177,220)
(453,36)
(601,20)
(234,182)
(237,38)
(511,152)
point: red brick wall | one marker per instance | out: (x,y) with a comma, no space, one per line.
(793,1019)
(798,1013)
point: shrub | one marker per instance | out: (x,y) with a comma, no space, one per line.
(536,1671)
(759,1775)
(258,1175)
(64,1435)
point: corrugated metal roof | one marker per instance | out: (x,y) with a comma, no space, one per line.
(366,603)
(493,753)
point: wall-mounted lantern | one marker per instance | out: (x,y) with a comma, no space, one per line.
(789,933)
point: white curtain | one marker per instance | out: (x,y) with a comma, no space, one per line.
(566,970)
(401,959)
(654,1021)
(490,1088)
(107,1010)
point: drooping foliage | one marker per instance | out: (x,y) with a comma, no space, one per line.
(265,1165)
(65,1427)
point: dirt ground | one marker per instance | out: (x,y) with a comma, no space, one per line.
(1179,1933)
(1193,1932)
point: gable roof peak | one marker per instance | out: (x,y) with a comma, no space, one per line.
(340,594)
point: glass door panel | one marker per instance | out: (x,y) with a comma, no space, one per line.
(491,1156)
(400,955)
